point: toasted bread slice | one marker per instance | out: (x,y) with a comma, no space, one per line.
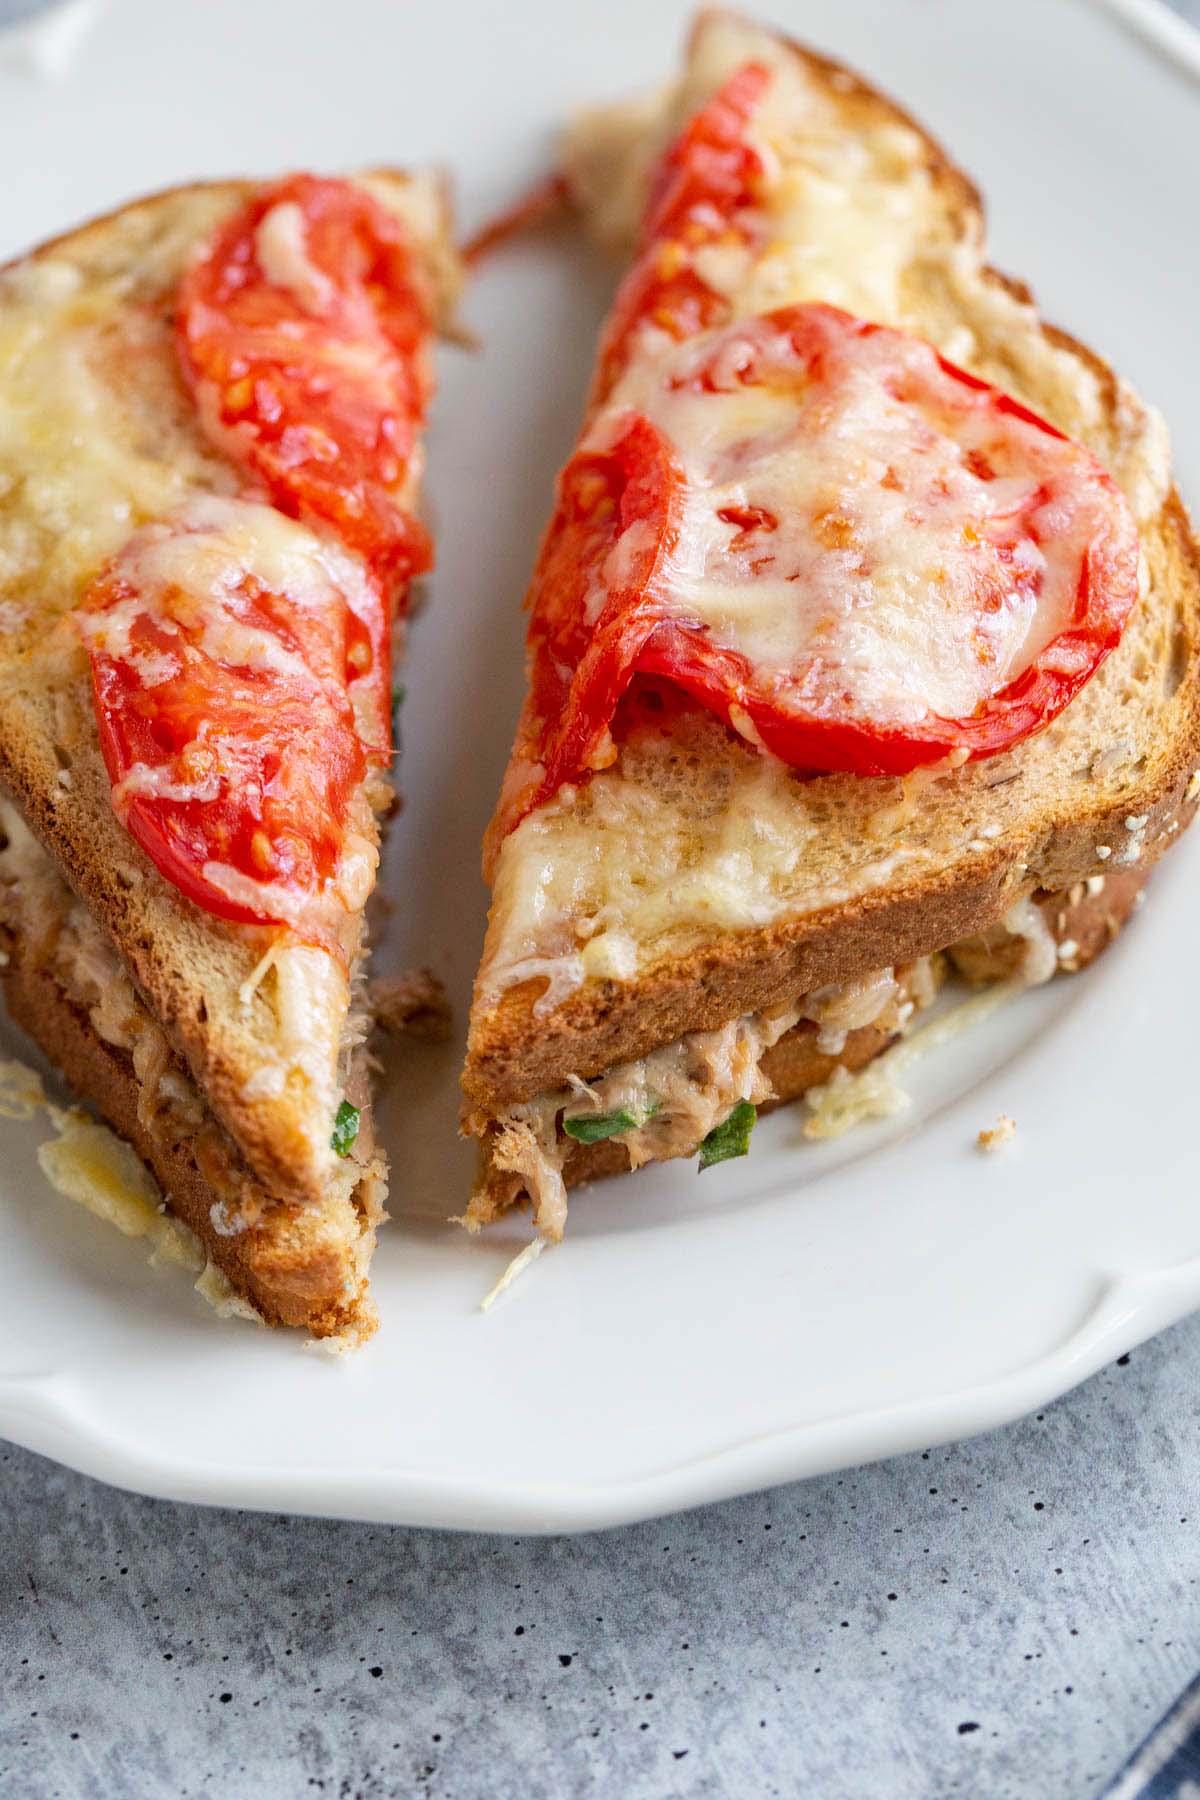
(99,437)
(696,881)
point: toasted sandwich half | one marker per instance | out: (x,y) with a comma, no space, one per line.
(864,631)
(211,405)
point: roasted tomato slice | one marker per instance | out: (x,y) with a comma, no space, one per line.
(592,604)
(219,643)
(302,330)
(702,205)
(860,556)
(241,651)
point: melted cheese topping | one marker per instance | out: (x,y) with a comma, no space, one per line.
(200,557)
(870,580)
(78,468)
(204,552)
(97,435)
(187,571)
(855,220)
(586,884)
(281,246)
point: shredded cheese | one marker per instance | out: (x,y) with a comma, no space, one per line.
(21,1092)
(259,972)
(515,1268)
(874,1092)
(91,1165)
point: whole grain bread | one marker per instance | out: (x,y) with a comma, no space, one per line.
(883,871)
(98,436)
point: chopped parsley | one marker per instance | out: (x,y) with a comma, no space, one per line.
(592,1128)
(731,1137)
(345,1128)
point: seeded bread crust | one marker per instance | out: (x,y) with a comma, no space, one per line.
(1044,816)
(1089,922)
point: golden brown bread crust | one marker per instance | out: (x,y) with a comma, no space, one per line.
(292,1266)
(513,1057)
(1089,921)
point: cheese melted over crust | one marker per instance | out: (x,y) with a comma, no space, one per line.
(856,219)
(82,367)
(843,538)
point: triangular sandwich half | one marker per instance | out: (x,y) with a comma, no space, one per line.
(865,629)
(211,404)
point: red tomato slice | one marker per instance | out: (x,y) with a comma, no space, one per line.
(241,655)
(704,195)
(860,556)
(302,330)
(226,722)
(592,607)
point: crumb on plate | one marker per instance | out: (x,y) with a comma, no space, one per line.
(992,1136)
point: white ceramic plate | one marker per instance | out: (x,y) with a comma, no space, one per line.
(803,1309)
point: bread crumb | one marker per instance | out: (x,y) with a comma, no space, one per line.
(413,1003)
(1095,885)
(991,1137)
(1193,786)
(1103,851)
(344,1343)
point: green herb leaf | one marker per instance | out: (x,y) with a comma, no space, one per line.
(592,1128)
(345,1128)
(731,1138)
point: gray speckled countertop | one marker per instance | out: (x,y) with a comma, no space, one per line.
(1002,1619)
